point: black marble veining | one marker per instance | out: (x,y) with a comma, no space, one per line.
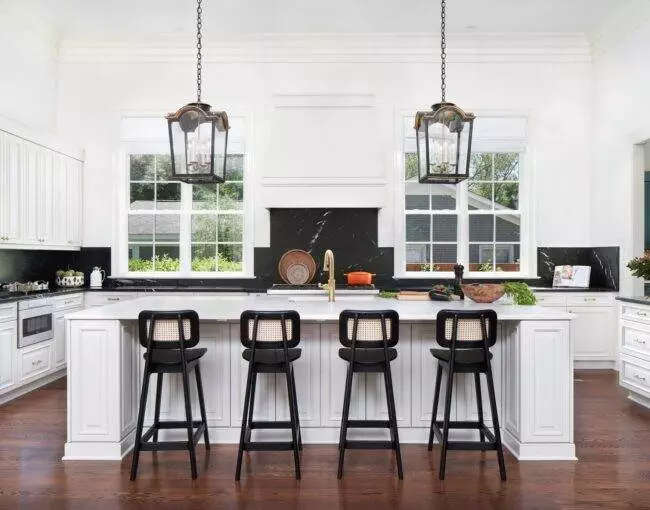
(30,265)
(604,262)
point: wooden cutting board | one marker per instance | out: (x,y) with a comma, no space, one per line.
(413,295)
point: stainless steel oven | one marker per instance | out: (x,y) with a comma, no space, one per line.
(35,321)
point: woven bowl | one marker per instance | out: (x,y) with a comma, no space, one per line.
(483,292)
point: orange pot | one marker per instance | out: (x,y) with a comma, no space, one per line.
(359,278)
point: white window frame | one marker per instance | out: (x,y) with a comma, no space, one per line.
(135,145)
(528,248)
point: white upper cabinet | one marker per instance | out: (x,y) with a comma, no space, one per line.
(40,196)
(10,186)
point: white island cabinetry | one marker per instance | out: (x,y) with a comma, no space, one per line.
(532,365)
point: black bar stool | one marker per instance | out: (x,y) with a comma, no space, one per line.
(169,338)
(270,340)
(369,339)
(466,337)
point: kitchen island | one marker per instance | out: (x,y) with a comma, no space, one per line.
(532,365)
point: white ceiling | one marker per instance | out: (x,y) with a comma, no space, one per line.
(147,19)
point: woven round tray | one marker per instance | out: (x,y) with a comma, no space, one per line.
(297,267)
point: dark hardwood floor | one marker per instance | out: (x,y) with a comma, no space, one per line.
(612,437)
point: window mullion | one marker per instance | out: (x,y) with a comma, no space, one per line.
(185,249)
(462,211)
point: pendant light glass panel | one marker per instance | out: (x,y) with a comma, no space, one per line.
(444,138)
(199,139)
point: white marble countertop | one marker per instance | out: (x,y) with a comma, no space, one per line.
(310,308)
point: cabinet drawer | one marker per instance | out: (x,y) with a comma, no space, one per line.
(590,299)
(103,298)
(636,340)
(8,312)
(550,299)
(635,374)
(635,313)
(34,360)
(69,301)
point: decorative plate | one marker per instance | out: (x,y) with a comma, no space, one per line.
(297,267)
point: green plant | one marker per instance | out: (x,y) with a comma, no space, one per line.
(640,266)
(485,266)
(520,293)
(387,294)
(429,267)
(165,263)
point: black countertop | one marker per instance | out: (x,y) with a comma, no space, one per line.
(10,297)
(640,300)
(571,289)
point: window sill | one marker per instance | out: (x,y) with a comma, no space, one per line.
(193,276)
(466,276)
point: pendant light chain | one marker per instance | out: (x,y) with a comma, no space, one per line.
(199,25)
(443,48)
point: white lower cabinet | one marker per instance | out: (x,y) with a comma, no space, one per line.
(98,298)
(594,327)
(634,344)
(594,332)
(8,345)
(34,361)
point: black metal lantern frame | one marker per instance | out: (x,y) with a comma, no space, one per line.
(443,134)
(444,141)
(198,136)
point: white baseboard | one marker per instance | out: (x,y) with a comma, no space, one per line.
(31,386)
(594,364)
(315,435)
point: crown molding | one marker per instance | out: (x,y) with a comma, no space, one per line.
(339,48)
(617,27)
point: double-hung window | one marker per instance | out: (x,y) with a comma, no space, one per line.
(481,223)
(173,228)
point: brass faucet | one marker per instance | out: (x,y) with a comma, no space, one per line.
(330,286)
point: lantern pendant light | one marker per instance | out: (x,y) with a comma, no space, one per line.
(443,134)
(198,136)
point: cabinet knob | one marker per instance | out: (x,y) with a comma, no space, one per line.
(641,314)
(590,299)
(639,377)
(639,341)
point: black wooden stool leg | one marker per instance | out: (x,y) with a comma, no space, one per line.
(479,404)
(495,422)
(188,418)
(295,403)
(251,407)
(156,415)
(436,399)
(244,421)
(392,417)
(139,426)
(293,418)
(204,419)
(344,420)
(445,425)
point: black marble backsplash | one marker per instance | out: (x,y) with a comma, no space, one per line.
(30,265)
(350,233)
(604,262)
